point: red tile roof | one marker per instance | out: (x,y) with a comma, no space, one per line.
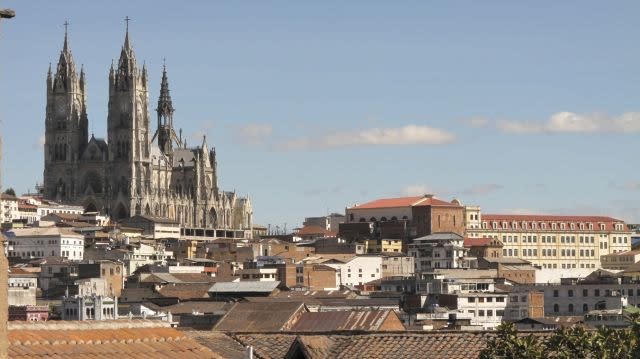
(547,218)
(519,218)
(105,343)
(403,202)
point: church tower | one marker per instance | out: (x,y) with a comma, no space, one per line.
(66,127)
(128,170)
(165,132)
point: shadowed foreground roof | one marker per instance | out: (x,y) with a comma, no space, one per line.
(433,345)
(116,342)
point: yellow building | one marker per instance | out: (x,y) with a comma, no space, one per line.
(383,245)
(548,241)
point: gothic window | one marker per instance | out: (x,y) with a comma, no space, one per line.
(157,210)
(147,209)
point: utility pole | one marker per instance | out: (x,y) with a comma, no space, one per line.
(4,264)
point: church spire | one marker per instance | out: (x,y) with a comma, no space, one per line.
(165,106)
(165,132)
(127,63)
(66,75)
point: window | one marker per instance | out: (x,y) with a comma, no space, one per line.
(570,308)
(556,308)
(489,313)
(500,313)
(500,299)
(585,308)
(596,292)
(481,313)
(570,292)
(585,292)
(555,293)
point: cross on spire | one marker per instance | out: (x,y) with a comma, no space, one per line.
(66,28)
(126,19)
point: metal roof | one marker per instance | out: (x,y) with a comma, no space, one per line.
(242,287)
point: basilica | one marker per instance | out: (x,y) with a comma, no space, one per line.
(137,170)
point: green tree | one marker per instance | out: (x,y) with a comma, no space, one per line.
(10,191)
(568,343)
(507,344)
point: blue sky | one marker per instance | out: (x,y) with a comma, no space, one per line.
(516,107)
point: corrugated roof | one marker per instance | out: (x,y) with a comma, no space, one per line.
(44,231)
(260,317)
(242,287)
(441,236)
(363,320)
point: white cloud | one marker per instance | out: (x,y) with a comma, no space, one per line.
(570,122)
(480,189)
(406,135)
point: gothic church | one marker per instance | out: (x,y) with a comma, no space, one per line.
(137,170)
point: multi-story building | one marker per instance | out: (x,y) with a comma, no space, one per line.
(358,270)
(329,223)
(112,273)
(22,287)
(558,242)
(397,265)
(598,291)
(438,250)
(619,260)
(9,207)
(402,218)
(139,254)
(28,212)
(40,242)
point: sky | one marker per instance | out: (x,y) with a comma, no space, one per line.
(518,107)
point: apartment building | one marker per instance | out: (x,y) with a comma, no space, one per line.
(438,250)
(358,270)
(619,260)
(548,241)
(40,242)
(598,291)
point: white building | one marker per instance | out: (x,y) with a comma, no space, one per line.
(9,207)
(139,254)
(358,270)
(90,303)
(46,208)
(438,250)
(40,242)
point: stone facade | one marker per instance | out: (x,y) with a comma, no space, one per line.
(136,171)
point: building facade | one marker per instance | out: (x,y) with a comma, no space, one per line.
(137,170)
(557,242)
(40,242)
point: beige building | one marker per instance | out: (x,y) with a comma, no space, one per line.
(619,260)
(548,241)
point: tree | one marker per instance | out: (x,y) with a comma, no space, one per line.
(508,345)
(10,191)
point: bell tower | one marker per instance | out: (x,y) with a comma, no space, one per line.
(127,132)
(66,126)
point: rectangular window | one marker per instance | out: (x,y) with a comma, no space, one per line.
(585,292)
